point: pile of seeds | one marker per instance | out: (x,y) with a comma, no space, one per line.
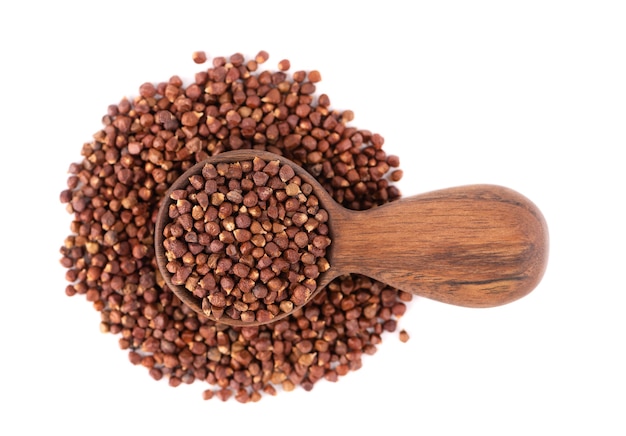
(114,193)
(248,238)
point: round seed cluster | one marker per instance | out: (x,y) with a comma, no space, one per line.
(249,238)
(114,193)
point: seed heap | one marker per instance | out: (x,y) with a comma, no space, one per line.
(249,238)
(114,193)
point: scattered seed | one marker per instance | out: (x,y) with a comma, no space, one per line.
(315,76)
(199,57)
(284,65)
(112,218)
(404,336)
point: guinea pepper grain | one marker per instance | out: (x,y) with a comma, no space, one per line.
(145,144)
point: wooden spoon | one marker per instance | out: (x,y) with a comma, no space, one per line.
(473,246)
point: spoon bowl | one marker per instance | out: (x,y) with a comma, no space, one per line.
(472,246)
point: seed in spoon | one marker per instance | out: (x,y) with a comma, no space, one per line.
(246,238)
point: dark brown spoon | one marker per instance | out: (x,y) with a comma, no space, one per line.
(473,246)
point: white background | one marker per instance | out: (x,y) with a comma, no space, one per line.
(526,94)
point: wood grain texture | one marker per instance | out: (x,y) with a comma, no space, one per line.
(474,246)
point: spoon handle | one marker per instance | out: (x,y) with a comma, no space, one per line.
(473,246)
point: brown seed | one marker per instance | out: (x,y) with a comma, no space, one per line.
(234,196)
(404,336)
(307,359)
(248,316)
(292,189)
(261,57)
(284,65)
(175,247)
(292,141)
(300,295)
(147,90)
(393,161)
(321,241)
(181,275)
(217,299)
(396,175)
(242,235)
(315,76)
(276,284)
(199,57)
(259,291)
(241,270)
(299,219)
(260,178)
(286,173)
(286,306)
(263,316)
(190,119)
(311,271)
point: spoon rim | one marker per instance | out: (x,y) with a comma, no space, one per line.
(182,181)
